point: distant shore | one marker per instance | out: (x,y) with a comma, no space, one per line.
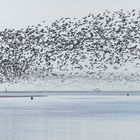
(67,93)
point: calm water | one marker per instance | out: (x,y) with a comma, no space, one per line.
(70,118)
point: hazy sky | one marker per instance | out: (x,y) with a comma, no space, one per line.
(21,13)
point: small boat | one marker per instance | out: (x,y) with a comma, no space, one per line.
(97,90)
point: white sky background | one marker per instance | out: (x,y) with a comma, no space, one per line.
(21,13)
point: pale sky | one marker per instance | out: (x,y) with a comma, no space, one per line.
(21,13)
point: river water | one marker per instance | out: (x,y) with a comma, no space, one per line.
(70,117)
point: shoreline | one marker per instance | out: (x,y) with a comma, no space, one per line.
(9,94)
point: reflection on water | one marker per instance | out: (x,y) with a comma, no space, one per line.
(70,118)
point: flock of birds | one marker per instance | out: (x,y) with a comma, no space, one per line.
(88,46)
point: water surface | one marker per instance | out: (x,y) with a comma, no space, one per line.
(76,117)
